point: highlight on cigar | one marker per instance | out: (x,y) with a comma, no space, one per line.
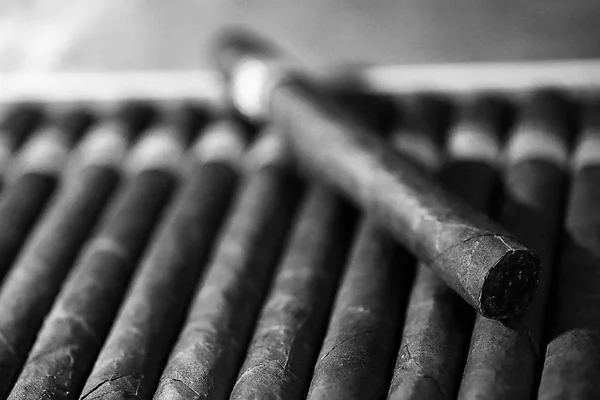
(485,264)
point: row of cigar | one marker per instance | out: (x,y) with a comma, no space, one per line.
(160,255)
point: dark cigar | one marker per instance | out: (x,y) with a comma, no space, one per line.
(572,359)
(211,347)
(503,356)
(154,309)
(40,269)
(438,322)
(357,355)
(487,266)
(33,178)
(16,124)
(86,306)
(289,331)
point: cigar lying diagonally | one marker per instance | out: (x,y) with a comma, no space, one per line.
(33,177)
(281,355)
(212,344)
(38,272)
(487,266)
(82,314)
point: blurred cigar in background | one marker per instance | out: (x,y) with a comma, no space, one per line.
(572,359)
(487,266)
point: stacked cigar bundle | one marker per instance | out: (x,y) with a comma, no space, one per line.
(306,242)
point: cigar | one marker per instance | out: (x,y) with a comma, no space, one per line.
(211,346)
(67,343)
(572,356)
(33,178)
(16,124)
(356,358)
(290,328)
(40,269)
(438,322)
(487,266)
(503,356)
(154,309)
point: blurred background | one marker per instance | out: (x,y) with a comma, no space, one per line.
(76,35)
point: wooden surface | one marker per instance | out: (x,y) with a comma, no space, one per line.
(39,35)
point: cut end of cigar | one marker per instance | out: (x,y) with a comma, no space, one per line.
(510,284)
(241,56)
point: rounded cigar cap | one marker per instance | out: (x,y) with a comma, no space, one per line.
(48,148)
(543,130)
(477,132)
(502,274)
(587,149)
(45,152)
(222,141)
(161,147)
(105,145)
(107,142)
(17,121)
